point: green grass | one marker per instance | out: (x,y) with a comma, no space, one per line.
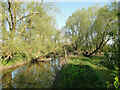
(82,72)
(14,61)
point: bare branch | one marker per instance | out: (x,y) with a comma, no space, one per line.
(9,23)
(9,9)
(27,16)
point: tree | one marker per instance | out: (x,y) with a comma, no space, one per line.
(30,29)
(90,29)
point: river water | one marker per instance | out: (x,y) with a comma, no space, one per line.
(37,75)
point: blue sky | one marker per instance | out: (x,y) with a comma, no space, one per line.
(67,8)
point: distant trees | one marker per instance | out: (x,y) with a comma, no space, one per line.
(28,28)
(91,29)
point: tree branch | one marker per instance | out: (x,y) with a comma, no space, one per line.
(7,57)
(100,45)
(27,16)
(24,28)
(44,54)
(9,24)
(11,17)
(105,42)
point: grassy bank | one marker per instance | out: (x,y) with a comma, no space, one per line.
(16,61)
(82,72)
(18,58)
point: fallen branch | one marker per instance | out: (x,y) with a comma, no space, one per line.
(44,55)
(45,60)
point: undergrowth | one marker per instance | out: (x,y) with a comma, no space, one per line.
(83,72)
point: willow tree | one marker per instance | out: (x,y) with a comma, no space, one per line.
(91,29)
(104,26)
(27,28)
(78,26)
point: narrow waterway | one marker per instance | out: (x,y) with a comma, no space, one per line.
(37,75)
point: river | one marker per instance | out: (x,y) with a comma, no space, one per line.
(37,75)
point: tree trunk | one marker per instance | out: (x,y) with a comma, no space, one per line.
(76,46)
(88,55)
(102,42)
(65,53)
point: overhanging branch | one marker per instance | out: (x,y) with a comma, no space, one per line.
(102,41)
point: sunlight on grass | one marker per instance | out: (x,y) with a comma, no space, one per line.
(87,61)
(83,72)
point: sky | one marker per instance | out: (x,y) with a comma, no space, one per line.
(67,8)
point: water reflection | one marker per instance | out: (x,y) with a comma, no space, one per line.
(38,75)
(6,80)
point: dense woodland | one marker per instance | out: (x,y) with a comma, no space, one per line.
(29,31)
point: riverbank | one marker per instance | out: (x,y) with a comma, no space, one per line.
(31,75)
(18,64)
(7,67)
(83,72)
(16,61)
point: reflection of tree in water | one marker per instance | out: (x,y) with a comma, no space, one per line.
(38,75)
(6,80)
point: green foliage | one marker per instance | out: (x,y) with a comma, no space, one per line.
(116,82)
(2,62)
(85,59)
(82,72)
(90,29)
(111,58)
(17,58)
(70,49)
(32,30)
(107,62)
(75,76)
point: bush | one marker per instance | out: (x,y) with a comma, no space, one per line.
(2,62)
(116,82)
(15,59)
(110,60)
(108,63)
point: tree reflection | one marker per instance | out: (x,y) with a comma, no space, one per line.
(6,80)
(39,75)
